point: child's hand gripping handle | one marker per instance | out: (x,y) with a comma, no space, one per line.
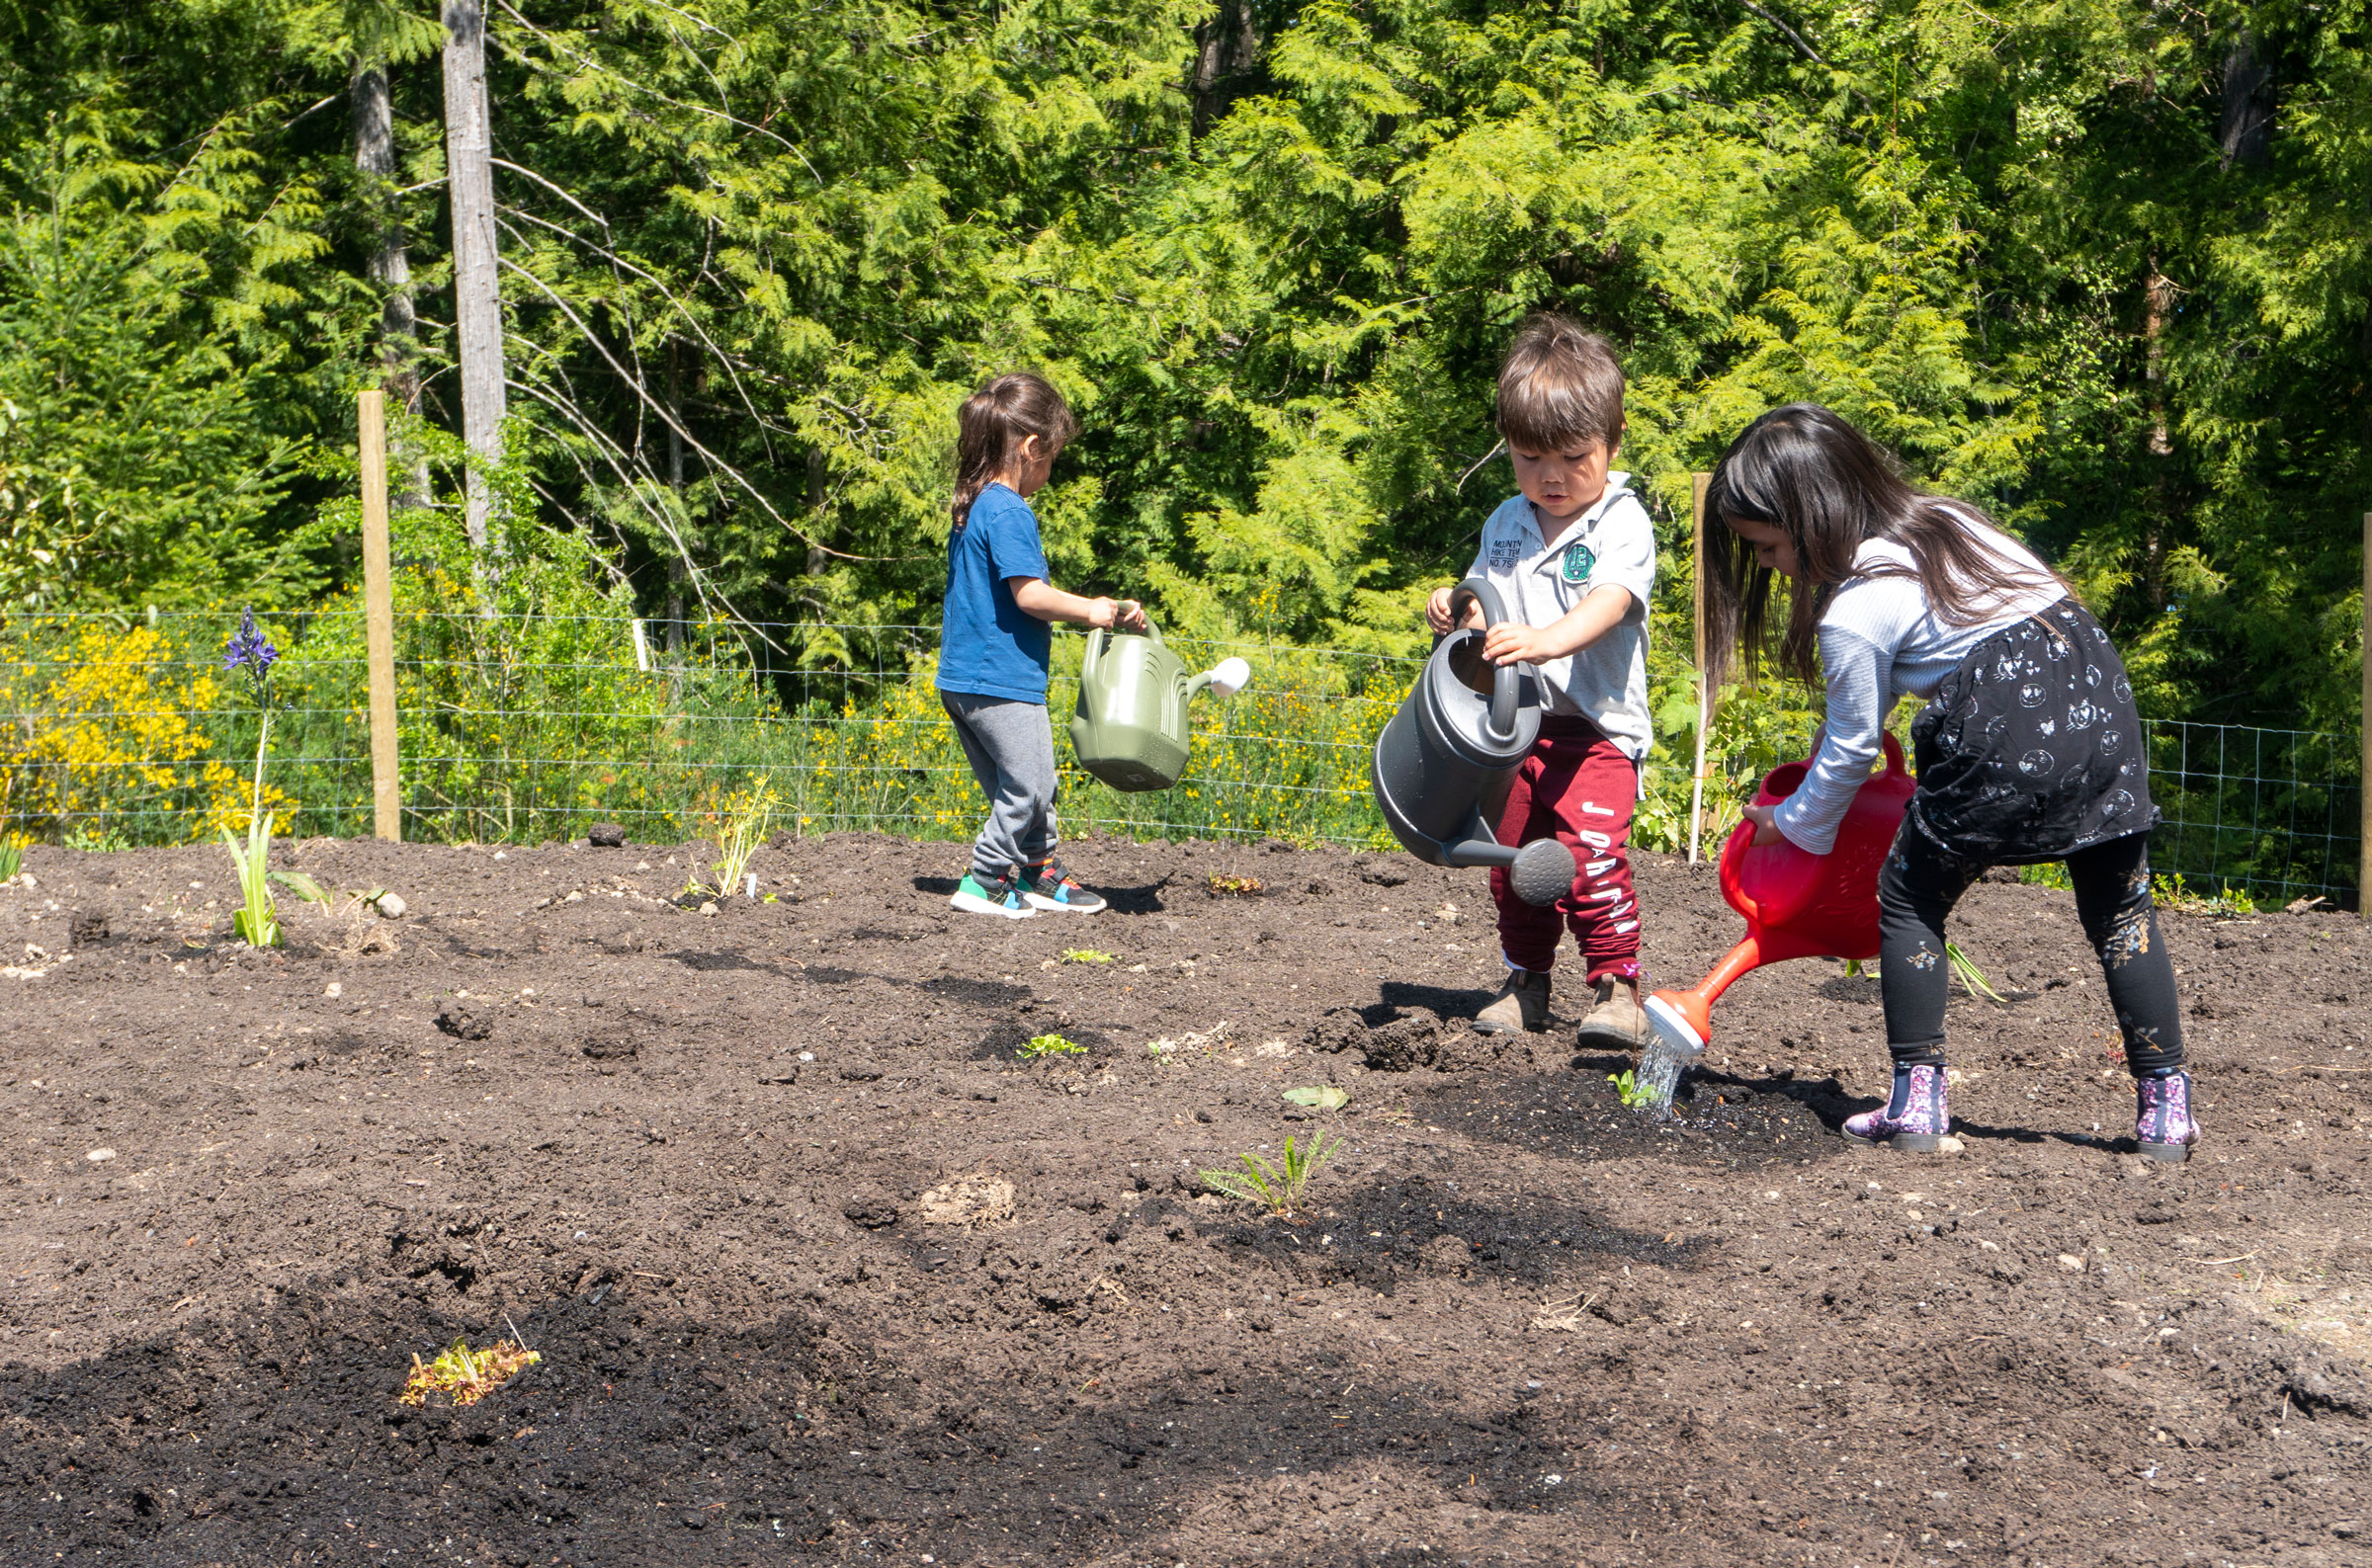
(1504,687)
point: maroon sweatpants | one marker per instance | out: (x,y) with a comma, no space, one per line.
(1577,785)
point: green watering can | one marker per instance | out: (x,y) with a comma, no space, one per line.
(1130,730)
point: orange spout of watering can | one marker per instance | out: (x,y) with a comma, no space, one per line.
(1797,905)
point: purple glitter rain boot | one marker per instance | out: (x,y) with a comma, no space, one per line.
(1915,1116)
(2164,1127)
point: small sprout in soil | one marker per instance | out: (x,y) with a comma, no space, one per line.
(12,856)
(1324,1097)
(1636,1095)
(1084,955)
(1237,886)
(1970,975)
(464,1375)
(1277,1187)
(1860,970)
(1044,1045)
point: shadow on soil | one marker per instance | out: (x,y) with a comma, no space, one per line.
(642,1429)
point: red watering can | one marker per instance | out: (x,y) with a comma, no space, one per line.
(1797,905)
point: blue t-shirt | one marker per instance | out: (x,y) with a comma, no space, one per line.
(989,645)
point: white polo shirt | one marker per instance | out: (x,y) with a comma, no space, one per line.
(1614,541)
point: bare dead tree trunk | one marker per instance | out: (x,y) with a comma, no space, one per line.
(2247,134)
(2158,304)
(476,282)
(675,483)
(390,271)
(1227,47)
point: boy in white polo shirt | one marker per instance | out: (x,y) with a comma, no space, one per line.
(1574,558)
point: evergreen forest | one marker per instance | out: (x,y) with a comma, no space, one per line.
(2103,264)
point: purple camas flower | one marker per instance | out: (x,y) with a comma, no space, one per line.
(251,650)
(249,647)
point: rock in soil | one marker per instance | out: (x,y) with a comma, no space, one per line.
(971,1309)
(464,1021)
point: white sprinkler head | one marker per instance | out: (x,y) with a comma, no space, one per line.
(1231,676)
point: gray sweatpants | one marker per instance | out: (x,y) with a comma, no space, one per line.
(1011,748)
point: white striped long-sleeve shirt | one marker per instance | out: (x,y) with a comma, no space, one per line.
(1881,638)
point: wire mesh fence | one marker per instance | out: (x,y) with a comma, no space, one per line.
(116,732)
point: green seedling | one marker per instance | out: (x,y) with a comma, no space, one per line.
(1970,975)
(1324,1097)
(1277,1187)
(1084,955)
(1237,886)
(464,1376)
(1635,1095)
(12,856)
(1044,1045)
(304,886)
(1860,970)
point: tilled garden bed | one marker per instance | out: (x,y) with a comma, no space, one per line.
(817,1268)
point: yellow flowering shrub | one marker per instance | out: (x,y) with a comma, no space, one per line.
(107,725)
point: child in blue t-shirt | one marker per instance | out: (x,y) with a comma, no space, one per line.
(994,644)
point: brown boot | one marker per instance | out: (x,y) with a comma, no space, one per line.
(1617,1021)
(1522,1002)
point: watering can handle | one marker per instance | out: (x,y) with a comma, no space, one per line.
(1504,680)
(1095,651)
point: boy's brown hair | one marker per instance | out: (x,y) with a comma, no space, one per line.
(1560,386)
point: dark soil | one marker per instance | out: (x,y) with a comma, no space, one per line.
(818,1270)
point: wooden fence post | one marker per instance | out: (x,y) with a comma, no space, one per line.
(1696,786)
(379,616)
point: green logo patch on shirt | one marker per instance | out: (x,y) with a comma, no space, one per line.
(1580,559)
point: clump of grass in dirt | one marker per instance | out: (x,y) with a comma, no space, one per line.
(1084,955)
(1635,1095)
(741,827)
(1236,886)
(1965,968)
(2226,902)
(12,856)
(1277,1186)
(1041,1046)
(464,1376)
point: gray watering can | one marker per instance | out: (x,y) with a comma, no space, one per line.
(1130,728)
(1450,753)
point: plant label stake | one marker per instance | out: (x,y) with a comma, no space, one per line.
(1797,905)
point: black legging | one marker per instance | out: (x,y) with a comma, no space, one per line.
(1921,883)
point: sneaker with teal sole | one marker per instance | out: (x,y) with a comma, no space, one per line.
(1048,886)
(999,896)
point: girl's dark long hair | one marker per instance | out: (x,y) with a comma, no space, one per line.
(1809,473)
(990,428)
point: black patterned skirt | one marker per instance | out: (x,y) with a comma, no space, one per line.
(2032,748)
